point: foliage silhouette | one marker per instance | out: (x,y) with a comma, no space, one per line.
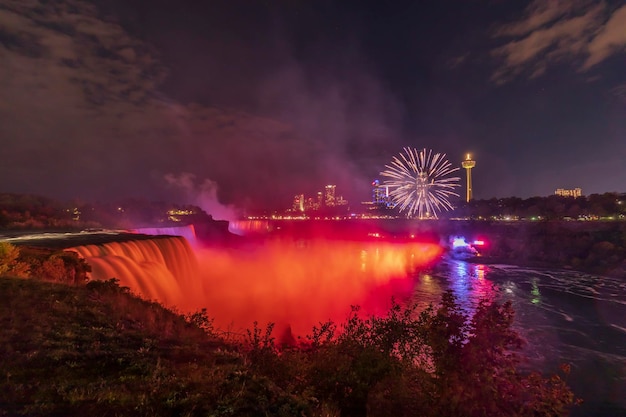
(99,350)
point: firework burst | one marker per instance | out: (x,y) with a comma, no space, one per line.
(420,182)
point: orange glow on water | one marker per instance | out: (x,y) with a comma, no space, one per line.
(299,284)
(302,285)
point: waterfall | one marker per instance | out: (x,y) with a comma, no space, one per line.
(291,283)
(188,232)
(249,227)
(164,269)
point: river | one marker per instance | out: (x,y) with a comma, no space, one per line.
(565,317)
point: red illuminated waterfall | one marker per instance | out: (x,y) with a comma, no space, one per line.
(188,232)
(249,227)
(299,284)
(161,268)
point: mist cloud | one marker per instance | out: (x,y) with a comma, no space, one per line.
(203,194)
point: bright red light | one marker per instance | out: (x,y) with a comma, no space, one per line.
(285,284)
(295,285)
(479,242)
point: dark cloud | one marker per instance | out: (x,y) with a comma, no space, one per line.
(248,106)
(553,31)
(82,106)
(620,91)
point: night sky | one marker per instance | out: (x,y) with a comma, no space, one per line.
(251,102)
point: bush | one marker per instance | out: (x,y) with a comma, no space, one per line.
(10,263)
(98,350)
(201,320)
(50,265)
(435,362)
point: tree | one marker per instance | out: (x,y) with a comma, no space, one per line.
(10,263)
(437,362)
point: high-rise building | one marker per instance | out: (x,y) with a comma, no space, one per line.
(329,195)
(468,164)
(340,201)
(380,193)
(298,203)
(311,204)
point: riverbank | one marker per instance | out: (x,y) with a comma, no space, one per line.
(597,248)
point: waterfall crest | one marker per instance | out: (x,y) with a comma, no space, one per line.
(164,268)
(188,232)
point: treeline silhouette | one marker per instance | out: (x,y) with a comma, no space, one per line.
(33,212)
(27,211)
(607,206)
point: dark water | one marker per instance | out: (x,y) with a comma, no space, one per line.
(565,317)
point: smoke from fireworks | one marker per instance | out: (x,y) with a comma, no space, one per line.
(420,182)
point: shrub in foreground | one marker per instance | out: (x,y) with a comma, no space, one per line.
(98,350)
(436,362)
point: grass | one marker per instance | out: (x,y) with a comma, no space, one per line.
(98,350)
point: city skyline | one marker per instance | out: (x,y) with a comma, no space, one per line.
(237,103)
(326,199)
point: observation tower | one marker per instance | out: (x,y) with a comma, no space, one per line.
(468,164)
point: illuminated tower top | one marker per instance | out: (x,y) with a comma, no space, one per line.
(468,164)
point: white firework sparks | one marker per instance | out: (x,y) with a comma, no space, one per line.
(420,182)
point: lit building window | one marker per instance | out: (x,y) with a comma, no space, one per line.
(574,192)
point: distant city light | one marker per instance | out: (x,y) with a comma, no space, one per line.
(574,192)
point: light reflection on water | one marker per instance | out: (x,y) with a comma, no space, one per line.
(468,282)
(565,316)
